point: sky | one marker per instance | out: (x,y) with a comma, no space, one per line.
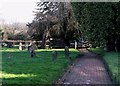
(17,10)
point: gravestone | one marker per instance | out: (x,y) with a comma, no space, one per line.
(54,55)
(105,48)
(75,44)
(26,45)
(20,46)
(9,44)
(66,52)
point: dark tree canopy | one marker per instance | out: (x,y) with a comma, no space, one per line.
(99,22)
(56,20)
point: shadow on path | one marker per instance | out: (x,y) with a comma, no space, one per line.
(88,69)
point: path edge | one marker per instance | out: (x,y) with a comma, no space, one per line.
(106,67)
(66,70)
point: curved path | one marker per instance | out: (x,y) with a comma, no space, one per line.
(87,69)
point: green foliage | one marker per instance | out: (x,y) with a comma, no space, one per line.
(55,20)
(98,51)
(112,61)
(19,68)
(10,36)
(18,36)
(99,21)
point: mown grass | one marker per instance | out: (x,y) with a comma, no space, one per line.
(98,51)
(112,59)
(19,68)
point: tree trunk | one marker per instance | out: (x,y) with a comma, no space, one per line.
(66,41)
(110,46)
(118,45)
(44,40)
(46,35)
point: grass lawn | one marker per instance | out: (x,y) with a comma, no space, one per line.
(99,51)
(112,59)
(19,68)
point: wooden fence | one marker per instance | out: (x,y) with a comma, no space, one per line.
(51,44)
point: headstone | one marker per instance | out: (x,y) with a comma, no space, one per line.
(88,81)
(20,46)
(105,49)
(66,51)
(26,45)
(75,44)
(29,45)
(9,44)
(54,55)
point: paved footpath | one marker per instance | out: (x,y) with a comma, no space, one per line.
(87,69)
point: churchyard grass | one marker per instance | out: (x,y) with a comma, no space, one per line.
(19,68)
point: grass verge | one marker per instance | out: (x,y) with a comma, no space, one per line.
(112,60)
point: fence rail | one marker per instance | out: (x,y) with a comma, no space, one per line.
(53,44)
